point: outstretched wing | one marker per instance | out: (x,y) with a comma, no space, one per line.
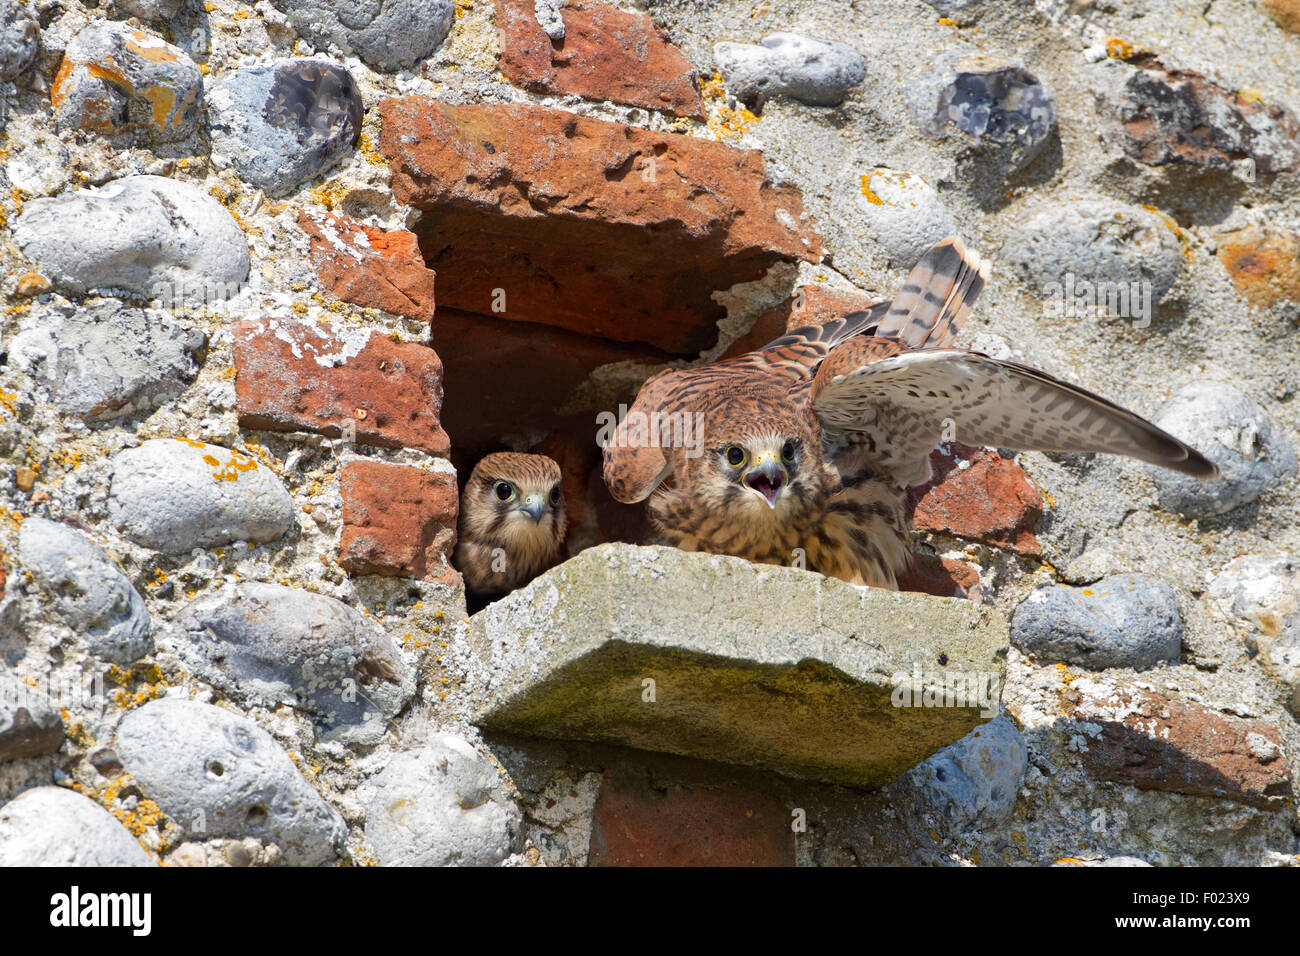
(897,406)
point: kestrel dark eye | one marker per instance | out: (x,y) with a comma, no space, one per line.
(503,490)
(555,496)
(787,452)
(735,456)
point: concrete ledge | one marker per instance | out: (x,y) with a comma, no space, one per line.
(717,658)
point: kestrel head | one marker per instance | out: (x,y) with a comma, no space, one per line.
(515,501)
(758,465)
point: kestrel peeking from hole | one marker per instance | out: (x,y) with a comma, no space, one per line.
(804,450)
(512,523)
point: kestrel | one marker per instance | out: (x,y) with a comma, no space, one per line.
(512,523)
(805,448)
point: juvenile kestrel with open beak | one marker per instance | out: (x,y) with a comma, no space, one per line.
(512,523)
(807,446)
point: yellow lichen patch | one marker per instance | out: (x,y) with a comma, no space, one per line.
(329,194)
(1249,94)
(947,22)
(9,402)
(726,122)
(868,195)
(67,457)
(237,464)
(143,693)
(366,147)
(261,453)
(10,519)
(463,7)
(146,814)
(1121,49)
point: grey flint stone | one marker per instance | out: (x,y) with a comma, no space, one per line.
(175,495)
(120,81)
(813,71)
(996,104)
(389,35)
(440,805)
(1236,434)
(107,361)
(20,38)
(145,236)
(974,783)
(217,774)
(1096,241)
(30,725)
(87,589)
(1127,620)
(266,645)
(51,826)
(718,658)
(281,124)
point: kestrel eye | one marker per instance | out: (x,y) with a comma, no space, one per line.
(735,456)
(555,496)
(787,451)
(503,490)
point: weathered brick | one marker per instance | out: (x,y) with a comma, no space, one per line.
(638,825)
(991,500)
(295,375)
(369,267)
(398,520)
(606,54)
(539,215)
(1157,743)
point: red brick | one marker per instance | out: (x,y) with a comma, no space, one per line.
(296,375)
(638,825)
(1157,743)
(369,267)
(398,520)
(558,211)
(991,501)
(606,54)
(810,305)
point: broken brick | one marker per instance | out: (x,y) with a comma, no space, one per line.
(605,54)
(369,267)
(333,380)
(398,520)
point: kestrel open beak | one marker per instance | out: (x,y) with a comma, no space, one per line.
(767,479)
(533,506)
